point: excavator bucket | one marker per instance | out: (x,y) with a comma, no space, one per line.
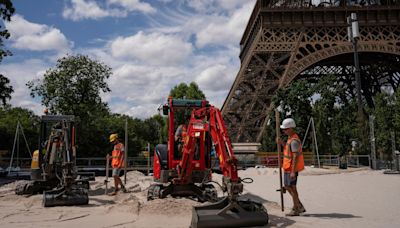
(226,213)
(62,197)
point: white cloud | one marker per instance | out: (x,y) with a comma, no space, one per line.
(36,37)
(224,30)
(19,74)
(213,24)
(143,84)
(87,9)
(90,9)
(153,48)
(134,5)
(19,27)
(138,90)
(217,77)
(142,111)
(216,6)
(180,45)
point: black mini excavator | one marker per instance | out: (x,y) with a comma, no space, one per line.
(53,167)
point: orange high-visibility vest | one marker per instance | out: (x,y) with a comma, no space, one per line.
(184,131)
(118,156)
(287,155)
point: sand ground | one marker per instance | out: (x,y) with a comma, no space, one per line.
(333,198)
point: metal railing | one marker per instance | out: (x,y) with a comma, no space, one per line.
(142,163)
(325,160)
(350,160)
(134,163)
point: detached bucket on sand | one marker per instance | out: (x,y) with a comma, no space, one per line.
(241,213)
(65,198)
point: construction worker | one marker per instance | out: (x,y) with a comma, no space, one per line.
(180,134)
(117,162)
(293,163)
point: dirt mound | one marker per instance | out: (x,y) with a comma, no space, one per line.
(168,206)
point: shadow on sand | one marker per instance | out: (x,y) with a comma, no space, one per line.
(276,221)
(331,215)
(99,191)
(100,201)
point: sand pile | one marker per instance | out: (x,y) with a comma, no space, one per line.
(343,198)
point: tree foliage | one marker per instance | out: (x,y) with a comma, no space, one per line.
(73,87)
(6,11)
(181,116)
(5,90)
(184,91)
(9,118)
(386,120)
(334,110)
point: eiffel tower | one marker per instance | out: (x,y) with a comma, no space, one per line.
(290,39)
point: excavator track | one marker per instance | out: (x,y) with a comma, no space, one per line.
(33,187)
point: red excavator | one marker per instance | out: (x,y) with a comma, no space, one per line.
(187,172)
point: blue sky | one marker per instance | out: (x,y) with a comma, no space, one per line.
(151,46)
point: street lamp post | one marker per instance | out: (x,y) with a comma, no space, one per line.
(353,34)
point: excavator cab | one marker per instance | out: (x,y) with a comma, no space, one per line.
(53,168)
(190,174)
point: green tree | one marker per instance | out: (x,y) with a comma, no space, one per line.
(184,91)
(268,140)
(153,130)
(295,102)
(5,90)
(343,127)
(384,113)
(9,118)
(6,11)
(328,101)
(115,123)
(330,105)
(396,108)
(73,87)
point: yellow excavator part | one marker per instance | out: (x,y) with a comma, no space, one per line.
(35,160)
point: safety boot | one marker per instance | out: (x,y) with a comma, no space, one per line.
(301,209)
(293,212)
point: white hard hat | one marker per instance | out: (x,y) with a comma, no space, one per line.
(288,123)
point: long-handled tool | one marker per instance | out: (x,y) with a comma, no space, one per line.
(107,171)
(278,136)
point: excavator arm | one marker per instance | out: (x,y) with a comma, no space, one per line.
(230,211)
(209,119)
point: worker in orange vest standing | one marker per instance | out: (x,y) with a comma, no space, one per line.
(117,162)
(293,163)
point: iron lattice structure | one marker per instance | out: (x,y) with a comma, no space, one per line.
(287,40)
